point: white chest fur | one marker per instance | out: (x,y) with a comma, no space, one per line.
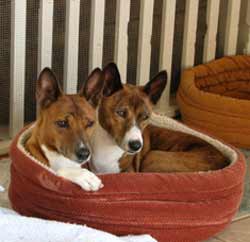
(58,161)
(106,153)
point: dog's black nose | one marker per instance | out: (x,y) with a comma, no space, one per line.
(82,154)
(134,145)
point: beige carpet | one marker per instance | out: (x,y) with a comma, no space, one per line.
(4,181)
(245,204)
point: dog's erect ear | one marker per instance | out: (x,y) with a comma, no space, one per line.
(112,80)
(47,89)
(155,87)
(92,88)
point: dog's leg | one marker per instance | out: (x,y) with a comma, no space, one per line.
(171,140)
(162,161)
(72,171)
(184,149)
(82,177)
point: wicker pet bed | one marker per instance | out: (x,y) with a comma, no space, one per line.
(171,207)
(216,97)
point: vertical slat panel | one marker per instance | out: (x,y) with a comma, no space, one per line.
(247,48)
(96,34)
(213,8)
(17,65)
(189,38)
(232,25)
(166,49)
(121,36)
(70,74)
(45,31)
(248,13)
(144,42)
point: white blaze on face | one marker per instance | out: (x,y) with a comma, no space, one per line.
(134,133)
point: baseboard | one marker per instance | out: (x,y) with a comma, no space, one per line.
(4,147)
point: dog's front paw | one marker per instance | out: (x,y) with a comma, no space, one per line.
(88,181)
(82,177)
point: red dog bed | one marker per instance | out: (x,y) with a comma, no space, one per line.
(170,207)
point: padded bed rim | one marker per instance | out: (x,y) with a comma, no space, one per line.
(210,101)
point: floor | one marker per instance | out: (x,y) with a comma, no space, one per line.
(238,231)
(4,181)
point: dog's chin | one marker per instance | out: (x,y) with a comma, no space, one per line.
(127,150)
(79,161)
(130,152)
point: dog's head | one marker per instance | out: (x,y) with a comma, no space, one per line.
(66,122)
(125,109)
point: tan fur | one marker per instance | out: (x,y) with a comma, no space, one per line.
(163,150)
(171,151)
(77,111)
(130,99)
(65,122)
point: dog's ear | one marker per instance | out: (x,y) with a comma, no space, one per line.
(47,89)
(92,88)
(112,80)
(155,87)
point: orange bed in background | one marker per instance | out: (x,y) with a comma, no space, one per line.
(216,97)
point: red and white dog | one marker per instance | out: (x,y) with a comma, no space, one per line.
(125,141)
(61,135)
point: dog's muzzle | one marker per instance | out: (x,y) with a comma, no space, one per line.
(83,155)
(134,146)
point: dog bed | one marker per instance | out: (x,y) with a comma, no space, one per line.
(216,97)
(172,207)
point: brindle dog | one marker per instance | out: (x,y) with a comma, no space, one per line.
(125,141)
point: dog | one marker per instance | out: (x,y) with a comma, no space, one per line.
(124,141)
(61,134)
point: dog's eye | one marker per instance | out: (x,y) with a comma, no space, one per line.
(121,113)
(144,116)
(90,123)
(62,123)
